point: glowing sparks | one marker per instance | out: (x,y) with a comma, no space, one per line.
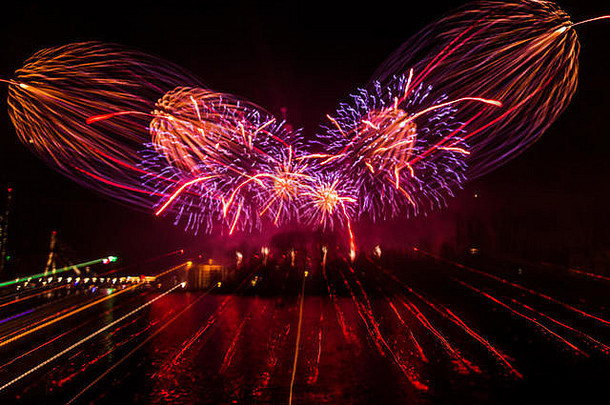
(461,98)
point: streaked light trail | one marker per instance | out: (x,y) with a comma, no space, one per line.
(104,260)
(86,339)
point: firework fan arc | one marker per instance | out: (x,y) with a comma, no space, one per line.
(54,96)
(521,53)
(462,97)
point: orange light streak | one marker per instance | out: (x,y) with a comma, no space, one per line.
(454,149)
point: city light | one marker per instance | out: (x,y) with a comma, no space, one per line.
(60,270)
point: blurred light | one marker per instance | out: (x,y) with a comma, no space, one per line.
(377,251)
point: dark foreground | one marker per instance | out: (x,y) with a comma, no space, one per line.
(399,330)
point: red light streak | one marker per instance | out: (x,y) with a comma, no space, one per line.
(118,185)
(432,65)
(420,350)
(599,345)
(592,275)
(451,316)
(313,378)
(179,190)
(517,286)
(104,117)
(575,348)
(372,326)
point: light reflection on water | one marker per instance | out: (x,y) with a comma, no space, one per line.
(243,353)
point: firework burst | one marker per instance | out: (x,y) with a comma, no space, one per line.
(462,97)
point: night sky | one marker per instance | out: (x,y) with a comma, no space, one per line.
(306,57)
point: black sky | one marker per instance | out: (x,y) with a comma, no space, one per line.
(305,56)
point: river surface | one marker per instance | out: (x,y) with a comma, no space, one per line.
(365,337)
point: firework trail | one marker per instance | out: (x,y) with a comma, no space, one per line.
(228,161)
(378,140)
(522,53)
(462,97)
(54,95)
(233,163)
